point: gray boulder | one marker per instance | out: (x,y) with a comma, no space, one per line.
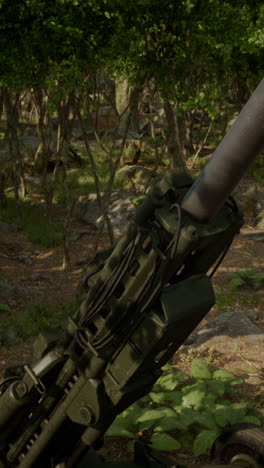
(250,199)
(11,337)
(6,227)
(8,290)
(227,331)
(138,178)
(120,211)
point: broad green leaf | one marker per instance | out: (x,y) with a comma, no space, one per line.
(194,399)
(252,420)
(117,430)
(174,398)
(187,416)
(164,442)
(194,395)
(226,376)
(167,367)
(172,380)
(204,441)
(148,417)
(236,282)
(222,415)
(145,399)
(185,439)
(217,387)
(200,370)
(209,400)
(238,411)
(128,418)
(230,413)
(206,420)
(138,201)
(167,412)
(148,414)
(170,424)
(160,397)
(157,388)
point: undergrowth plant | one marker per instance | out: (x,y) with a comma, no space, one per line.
(32,222)
(36,318)
(246,277)
(81,181)
(224,299)
(227,299)
(186,411)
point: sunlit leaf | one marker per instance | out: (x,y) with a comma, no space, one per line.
(200,370)
(164,442)
(204,441)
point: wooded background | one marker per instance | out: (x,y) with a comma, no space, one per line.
(138,77)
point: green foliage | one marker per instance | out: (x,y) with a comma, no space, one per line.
(34,224)
(138,200)
(204,441)
(224,299)
(200,370)
(35,319)
(4,308)
(186,411)
(163,441)
(246,277)
(82,181)
(256,169)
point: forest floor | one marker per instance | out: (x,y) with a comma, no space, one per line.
(59,287)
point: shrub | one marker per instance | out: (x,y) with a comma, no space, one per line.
(246,277)
(35,319)
(32,222)
(186,411)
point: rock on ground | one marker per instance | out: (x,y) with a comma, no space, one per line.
(138,178)
(8,290)
(250,199)
(120,211)
(227,331)
(5,227)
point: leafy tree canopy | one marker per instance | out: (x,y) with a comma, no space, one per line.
(193,49)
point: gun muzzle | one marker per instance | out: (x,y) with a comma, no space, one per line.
(238,149)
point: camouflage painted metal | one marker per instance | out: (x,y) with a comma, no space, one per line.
(145,300)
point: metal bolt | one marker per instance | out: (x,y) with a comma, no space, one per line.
(86,414)
(21,389)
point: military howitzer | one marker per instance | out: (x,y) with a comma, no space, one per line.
(145,300)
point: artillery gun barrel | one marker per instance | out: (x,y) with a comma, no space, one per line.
(239,147)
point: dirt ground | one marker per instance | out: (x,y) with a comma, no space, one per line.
(60,287)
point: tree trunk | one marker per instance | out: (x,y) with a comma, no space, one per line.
(11,102)
(43,152)
(186,125)
(95,175)
(173,138)
(3,199)
(63,142)
(122,96)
